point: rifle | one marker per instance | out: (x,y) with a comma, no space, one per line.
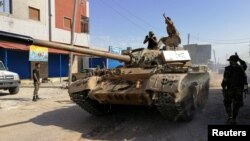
(243,67)
(224,92)
(246,92)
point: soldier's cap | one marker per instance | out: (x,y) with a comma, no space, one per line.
(233,58)
(151,33)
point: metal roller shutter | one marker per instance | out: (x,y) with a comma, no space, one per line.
(18,61)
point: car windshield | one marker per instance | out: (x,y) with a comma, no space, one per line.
(2,66)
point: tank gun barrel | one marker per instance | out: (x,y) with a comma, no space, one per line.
(5,36)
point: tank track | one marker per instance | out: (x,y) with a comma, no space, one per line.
(171,110)
(89,105)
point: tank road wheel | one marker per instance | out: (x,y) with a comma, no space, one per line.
(91,106)
(201,102)
(175,111)
(206,91)
(186,110)
(166,106)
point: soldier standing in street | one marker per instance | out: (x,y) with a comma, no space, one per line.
(152,41)
(233,84)
(36,79)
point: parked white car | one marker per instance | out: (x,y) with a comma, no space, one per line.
(9,80)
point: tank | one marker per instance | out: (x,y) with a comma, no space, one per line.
(164,79)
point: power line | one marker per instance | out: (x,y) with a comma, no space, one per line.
(233,41)
(120,14)
(135,16)
(221,40)
(225,40)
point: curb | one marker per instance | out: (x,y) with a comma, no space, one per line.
(51,85)
(31,86)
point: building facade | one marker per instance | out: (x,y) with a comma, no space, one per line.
(200,54)
(48,20)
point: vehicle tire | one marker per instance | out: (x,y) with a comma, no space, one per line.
(91,106)
(74,78)
(14,90)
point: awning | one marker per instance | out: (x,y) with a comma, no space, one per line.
(13,46)
(23,47)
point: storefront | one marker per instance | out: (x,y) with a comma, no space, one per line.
(16,59)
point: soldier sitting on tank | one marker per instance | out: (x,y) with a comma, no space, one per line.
(173,39)
(152,40)
(233,86)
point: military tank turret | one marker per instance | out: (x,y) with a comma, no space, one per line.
(165,79)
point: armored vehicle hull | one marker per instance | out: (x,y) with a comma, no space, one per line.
(175,95)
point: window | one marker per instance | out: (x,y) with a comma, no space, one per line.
(34,14)
(2,66)
(67,22)
(6,6)
(84,24)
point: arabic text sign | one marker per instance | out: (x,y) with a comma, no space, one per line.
(175,56)
(38,53)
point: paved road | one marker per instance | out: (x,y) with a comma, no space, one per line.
(56,118)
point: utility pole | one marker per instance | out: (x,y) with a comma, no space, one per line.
(72,40)
(214,57)
(249,51)
(215,63)
(50,15)
(188,38)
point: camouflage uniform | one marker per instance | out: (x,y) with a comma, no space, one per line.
(171,30)
(173,35)
(36,79)
(233,86)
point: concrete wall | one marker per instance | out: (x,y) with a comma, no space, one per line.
(64,8)
(59,33)
(19,23)
(21,9)
(25,27)
(200,54)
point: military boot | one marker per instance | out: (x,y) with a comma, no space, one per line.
(37,97)
(229,116)
(229,120)
(34,98)
(233,122)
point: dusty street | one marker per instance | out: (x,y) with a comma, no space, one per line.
(56,118)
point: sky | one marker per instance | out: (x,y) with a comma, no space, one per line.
(6,5)
(124,23)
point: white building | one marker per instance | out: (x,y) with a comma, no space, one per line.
(46,20)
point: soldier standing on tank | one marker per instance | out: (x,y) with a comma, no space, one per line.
(233,84)
(152,40)
(36,79)
(171,30)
